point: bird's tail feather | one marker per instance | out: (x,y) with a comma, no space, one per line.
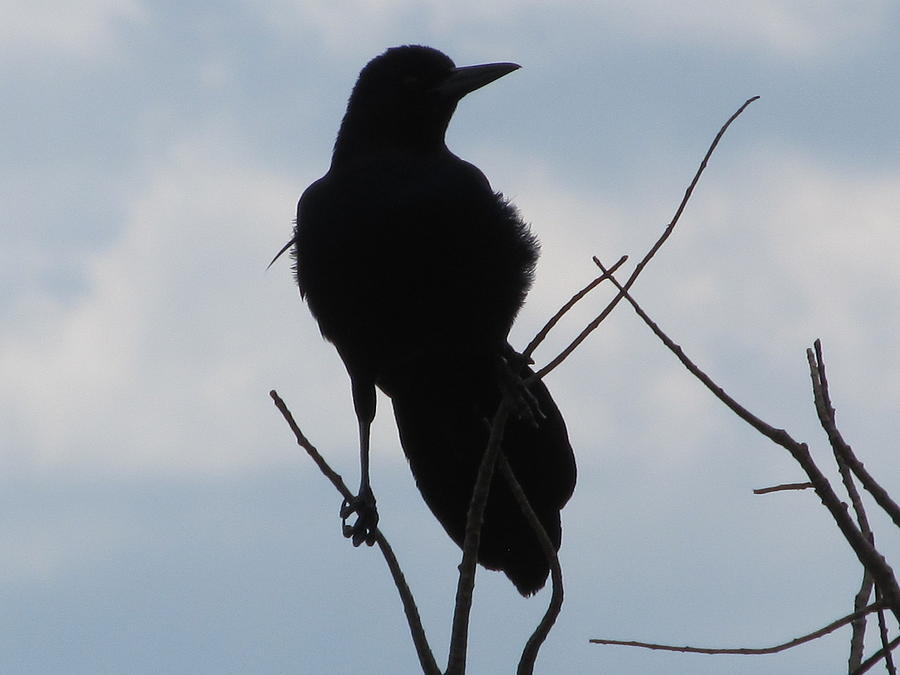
(444,424)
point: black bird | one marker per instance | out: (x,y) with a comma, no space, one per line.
(415,269)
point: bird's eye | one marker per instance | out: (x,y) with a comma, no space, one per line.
(411,80)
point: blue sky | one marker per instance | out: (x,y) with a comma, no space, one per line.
(157,516)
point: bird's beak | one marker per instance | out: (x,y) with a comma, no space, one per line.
(462,81)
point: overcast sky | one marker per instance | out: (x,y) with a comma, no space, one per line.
(156,515)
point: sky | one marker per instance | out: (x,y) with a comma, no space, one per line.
(156,513)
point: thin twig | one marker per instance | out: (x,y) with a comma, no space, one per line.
(456,662)
(833,626)
(883,634)
(536,341)
(876,657)
(304,443)
(426,658)
(646,259)
(868,555)
(858,638)
(882,498)
(842,455)
(779,488)
(826,414)
(533,645)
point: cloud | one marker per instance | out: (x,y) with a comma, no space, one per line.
(159,362)
(770,254)
(769,27)
(787,29)
(146,468)
(792,236)
(82,29)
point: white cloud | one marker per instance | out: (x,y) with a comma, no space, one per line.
(789,235)
(767,257)
(787,29)
(159,361)
(84,28)
(160,364)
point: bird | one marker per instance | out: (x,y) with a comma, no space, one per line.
(415,269)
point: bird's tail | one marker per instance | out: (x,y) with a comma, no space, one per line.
(443,415)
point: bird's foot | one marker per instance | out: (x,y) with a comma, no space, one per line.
(364,529)
(516,360)
(525,404)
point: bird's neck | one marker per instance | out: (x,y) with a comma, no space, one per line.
(367,135)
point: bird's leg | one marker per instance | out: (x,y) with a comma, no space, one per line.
(510,366)
(363,504)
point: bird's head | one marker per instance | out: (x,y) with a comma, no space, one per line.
(406,96)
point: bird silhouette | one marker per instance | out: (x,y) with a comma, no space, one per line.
(415,269)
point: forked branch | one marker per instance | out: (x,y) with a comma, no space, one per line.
(748,651)
(426,658)
(647,257)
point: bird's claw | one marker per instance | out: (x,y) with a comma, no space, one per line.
(365,527)
(525,403)
(516,360)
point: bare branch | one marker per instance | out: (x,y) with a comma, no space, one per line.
(828,422)
(826,414)
(652,252)
(780,488)
(456,663)
(840,446)
(688,192)
(843,455)
(868,555)
(530,653)
(426,658)
(833,626)
(539,338)
(883,634)
(858,637)
(876,657)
